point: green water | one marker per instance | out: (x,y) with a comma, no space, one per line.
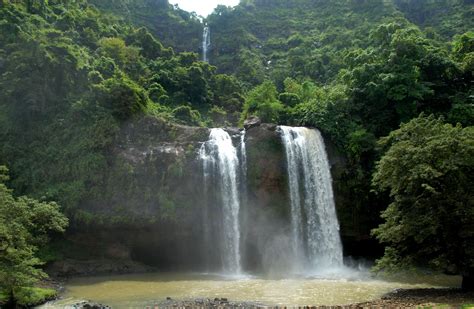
(139,291)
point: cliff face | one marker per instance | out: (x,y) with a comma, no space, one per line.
(150,209)
(147,209)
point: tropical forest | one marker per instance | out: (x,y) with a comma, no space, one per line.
(264,154)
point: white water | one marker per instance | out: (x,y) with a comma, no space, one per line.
(314,226)
(243,154)
(243,160)
(208,163)
(219,156)
(206,43)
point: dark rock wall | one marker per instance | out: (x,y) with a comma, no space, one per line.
(151,207)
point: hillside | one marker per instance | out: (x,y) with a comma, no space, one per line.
(310,39)
(172,26)
(72,76)
(105,107)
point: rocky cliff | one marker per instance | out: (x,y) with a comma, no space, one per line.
(149,209)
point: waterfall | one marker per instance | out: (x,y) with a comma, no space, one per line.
(206,43)
(219,158)
(243,155)
(314,226)
(208,163)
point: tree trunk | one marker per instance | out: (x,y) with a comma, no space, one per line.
(468,281)
(11,301)
(29,6)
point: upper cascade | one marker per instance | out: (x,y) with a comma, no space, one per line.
(206,43)
(314,225)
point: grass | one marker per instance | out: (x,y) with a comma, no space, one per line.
(34,296)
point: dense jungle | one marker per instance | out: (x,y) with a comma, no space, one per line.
(272,138)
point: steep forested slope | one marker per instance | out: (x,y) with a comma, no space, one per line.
(446,17)
(73,73)
(71,76)
(279,39)
(169,24)
(355,69)
(310,39)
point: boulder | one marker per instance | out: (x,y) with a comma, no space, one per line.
(251,122)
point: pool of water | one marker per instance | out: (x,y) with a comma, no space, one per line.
(139,291)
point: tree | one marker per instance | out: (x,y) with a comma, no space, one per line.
(262,101)
(24,226)
(116,49)
(429,171)
(122,96)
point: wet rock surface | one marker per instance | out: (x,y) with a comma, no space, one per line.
(252,122)
(74,268)
(88,305)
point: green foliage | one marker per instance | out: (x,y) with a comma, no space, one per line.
(116,49)
(262,39)
(24,227)
(218,116)
(122,96)
(227,93)
(428,170)
(262,101)
(447,17)
(151,48)
(170,25)
(33,296)
(463,45)
(27,297)
(186,114)
(72,75)
(3,297)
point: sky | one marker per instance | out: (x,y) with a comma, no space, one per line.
(202,7)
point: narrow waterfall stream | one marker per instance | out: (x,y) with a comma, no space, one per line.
(314,225)
(220,158)
(206,43)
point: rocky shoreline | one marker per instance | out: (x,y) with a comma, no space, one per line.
(423,298)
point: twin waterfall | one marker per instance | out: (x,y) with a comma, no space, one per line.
(220,156)
(313,230)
